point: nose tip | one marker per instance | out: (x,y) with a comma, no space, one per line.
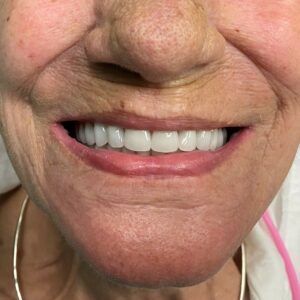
(161,40)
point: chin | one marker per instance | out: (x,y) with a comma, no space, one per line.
(151,248)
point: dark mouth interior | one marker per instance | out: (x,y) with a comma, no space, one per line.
(231,131)
(70,127)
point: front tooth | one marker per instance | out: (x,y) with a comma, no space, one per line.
(203,139)
(137,140)
(164,141)
(214,140)
(89,134)
(115,136)
(187,140)
(100,135)
(81,134)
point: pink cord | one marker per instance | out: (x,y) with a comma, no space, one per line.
(290,270)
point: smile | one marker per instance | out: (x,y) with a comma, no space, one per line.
(146,142)
(142,152)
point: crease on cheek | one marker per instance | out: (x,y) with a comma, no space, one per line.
(40,30)
(267,32)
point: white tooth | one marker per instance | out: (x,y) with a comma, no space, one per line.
(187,140)
(137,140)
(164,141)
(221,138)
(115,136)
(112,148)
(214,140)
(203,139)
(100,135)
(89,134)
(82,138)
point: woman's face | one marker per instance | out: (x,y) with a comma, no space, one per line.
(171,219)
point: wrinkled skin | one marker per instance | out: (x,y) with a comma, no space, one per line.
(233,61)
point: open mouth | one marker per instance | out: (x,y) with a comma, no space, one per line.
(135,151)
(148,142)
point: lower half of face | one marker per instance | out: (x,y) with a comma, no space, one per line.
(154,220)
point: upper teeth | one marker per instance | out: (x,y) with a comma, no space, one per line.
(142,141)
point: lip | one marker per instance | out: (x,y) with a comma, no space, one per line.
(194,163)
(130,120)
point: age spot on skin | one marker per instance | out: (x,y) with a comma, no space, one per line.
(21,43)
(31,55)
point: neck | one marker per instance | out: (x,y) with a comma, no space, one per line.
(224,285)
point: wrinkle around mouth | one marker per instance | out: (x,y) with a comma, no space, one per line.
(272,80)
(169,204)
(86,76)
(161,205)
(65,96)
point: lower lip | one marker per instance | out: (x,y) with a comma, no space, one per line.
(177,164)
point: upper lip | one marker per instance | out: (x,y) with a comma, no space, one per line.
(185,108)
(134,121)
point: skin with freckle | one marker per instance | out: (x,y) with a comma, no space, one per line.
(181,60)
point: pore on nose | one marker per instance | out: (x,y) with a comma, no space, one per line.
(161,40)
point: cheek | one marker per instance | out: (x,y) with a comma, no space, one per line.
(34,32)
(268,32)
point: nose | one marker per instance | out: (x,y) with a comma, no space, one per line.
(161,40)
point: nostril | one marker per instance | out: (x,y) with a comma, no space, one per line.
(116,73)
(119,74)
